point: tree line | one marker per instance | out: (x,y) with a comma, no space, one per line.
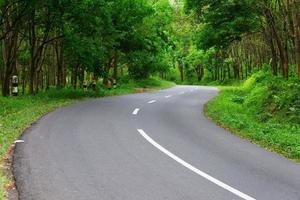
(54,43)
(231,39)
(59,43)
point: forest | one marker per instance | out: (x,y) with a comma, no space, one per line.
(56,52)
(63,43)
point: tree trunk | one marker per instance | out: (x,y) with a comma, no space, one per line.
(274,61)
(228,71)
(199,71)
(296,19)
(281,47)
(60,63)
(81,76)
(74,76)
(106,73)
(33,50)
(115,67)
(9,48)
(180,68)
(32,78)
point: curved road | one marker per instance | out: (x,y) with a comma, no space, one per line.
(150,146)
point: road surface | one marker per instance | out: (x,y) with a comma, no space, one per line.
(149,146)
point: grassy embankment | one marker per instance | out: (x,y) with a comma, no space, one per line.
(17,113)
(265,110)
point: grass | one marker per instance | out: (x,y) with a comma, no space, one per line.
(3,182)
(17,113)
(265,110)
(128,86)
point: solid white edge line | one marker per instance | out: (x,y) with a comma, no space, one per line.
(152,101)
(19,141)
(194,169)
(135,112)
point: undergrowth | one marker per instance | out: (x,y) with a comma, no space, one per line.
(264,109)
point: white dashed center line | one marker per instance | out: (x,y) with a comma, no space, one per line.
(168,96)
(181,93)
(136,111)
(194,169)
(152,101)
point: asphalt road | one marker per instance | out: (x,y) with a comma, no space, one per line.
(150,146)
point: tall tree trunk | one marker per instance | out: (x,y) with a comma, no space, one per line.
(37,81)
(60,63)
(1,69)
(10,53)
(9,48)
(296,19)
(81,76)
(74,76)
(228,71)
(106,72)
(33,50)
(199,72)
(32,77)
(23,78)
(115,66)
(274,60)
(180,68)
(281,47)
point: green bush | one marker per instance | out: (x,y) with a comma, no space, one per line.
(264,109)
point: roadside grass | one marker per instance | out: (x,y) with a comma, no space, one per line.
(210,82)
(3,182)
(128,86)
(18,113)
(265,110)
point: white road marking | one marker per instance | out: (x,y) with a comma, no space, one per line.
(19,141)
(194,169)
(152,101)
(168,96)
(136,111)
(181,92)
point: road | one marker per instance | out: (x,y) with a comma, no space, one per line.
(148,146)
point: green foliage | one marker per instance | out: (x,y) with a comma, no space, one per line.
(88,35)
(197,57)
(264,109)
(141,65)
(224,21)
(272,97)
